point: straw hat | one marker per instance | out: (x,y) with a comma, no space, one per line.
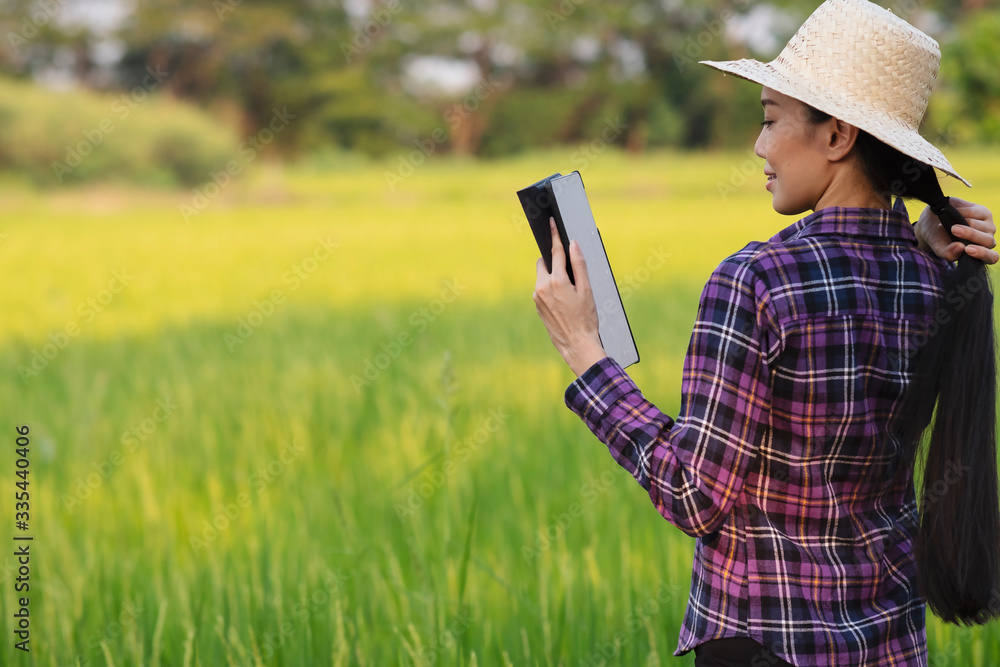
(862,64)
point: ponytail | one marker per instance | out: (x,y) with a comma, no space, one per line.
(958,540)
(958,543)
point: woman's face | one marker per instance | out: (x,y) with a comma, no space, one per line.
(794,156)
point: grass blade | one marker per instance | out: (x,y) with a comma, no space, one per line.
(464,567)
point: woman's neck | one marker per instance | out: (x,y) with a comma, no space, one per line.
(850,189)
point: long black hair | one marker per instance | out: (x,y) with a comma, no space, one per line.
(953,365)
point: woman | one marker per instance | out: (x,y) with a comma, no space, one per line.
(813,367)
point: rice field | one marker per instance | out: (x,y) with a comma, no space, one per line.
(318,421)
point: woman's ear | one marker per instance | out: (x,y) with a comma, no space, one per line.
(842,138)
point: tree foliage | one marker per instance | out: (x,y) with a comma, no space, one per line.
(539,72)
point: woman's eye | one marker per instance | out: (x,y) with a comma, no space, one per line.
(766,123)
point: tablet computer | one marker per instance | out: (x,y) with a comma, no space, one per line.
(565,199)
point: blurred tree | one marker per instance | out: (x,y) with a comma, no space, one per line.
(258,54)
(35,43)
(311,57)
(567,68)
(350,76)
(484,77)
(966,104)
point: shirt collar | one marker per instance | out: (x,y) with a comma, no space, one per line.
(870,223)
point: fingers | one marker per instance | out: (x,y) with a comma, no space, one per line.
(950,252)
(979,232)
(550,286)
(544,279)
(558,254)
(972,235)
(979,217)
(579,266)
(971,209)
(541,274)
(975,212)
(982,254)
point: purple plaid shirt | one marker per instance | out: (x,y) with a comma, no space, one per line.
(779,462)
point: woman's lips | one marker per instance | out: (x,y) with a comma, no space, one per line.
(771,178)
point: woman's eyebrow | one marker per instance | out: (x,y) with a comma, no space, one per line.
(767,100)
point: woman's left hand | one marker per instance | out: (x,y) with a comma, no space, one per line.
(568,312)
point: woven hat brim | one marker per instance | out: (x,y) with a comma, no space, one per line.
(902,138)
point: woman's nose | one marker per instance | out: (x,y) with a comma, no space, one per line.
(758,147)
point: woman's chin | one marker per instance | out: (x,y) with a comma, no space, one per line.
(787,208)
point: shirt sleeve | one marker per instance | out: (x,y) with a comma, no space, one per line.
(694,467)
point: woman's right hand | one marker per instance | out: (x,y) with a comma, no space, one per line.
(979,232)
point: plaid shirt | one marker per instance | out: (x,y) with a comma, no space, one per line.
(779,463)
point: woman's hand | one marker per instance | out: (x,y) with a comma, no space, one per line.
(979,233)
(568,312)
